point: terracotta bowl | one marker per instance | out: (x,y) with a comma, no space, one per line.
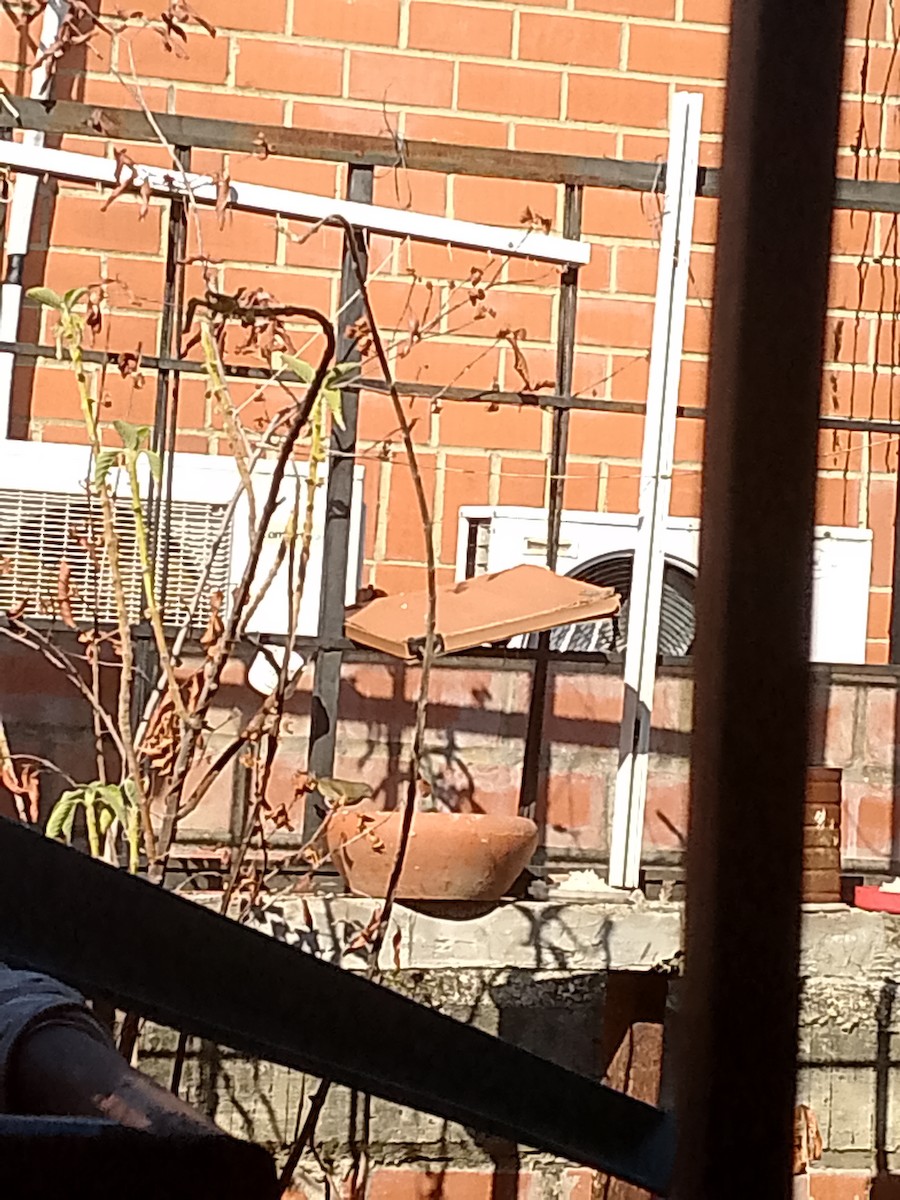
(450,856)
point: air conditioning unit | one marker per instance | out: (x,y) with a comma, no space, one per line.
(599,547)
(47,515)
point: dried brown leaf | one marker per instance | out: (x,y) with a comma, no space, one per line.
(64,593)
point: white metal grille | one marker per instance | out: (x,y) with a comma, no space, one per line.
(40,529)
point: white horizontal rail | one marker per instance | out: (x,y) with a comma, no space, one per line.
(251,197)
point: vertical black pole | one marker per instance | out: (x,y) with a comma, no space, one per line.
(894,648)
(338,502)
(749,753)
(533,766)
(163,438)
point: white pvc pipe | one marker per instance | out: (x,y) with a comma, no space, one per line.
(252,197)
(645,597)
(19,216)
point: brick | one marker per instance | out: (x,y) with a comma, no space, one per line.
(229,106)
(466,481)
(424,191)
(266,17)
(454,29)
(246,237)
(520,92)
(665,822)
(617,100)
(880,726)
(572,801)
(661,9)
(882,510)
(401,79)
(620,323)
(404,577)
(120,399)
(404,535)
(839,1185)
(595,276)
(60,270)
(689,52)
(708,12)
(636,269)
(461,131)
(373,22)
(345,118)
(204,60)
(470,423)
(289,67)
(377,420)
(694,377)
(608,435)
(837,501)
(609,213)
(502,201)
(135,283)
(439,362)
(560,139)
(877,652)
(867,20)
(78,221)
(569,40)
(629,376)
(685,493)
(689,440)
(879,614)
(523,481)
(320,249)
(581,487)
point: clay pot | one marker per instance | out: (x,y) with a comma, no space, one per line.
(822,836)
(450,856)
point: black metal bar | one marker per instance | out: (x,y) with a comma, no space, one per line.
(548,400)
(70,117)
(894,644)
(750,730)
(338,505)
(192,969)
(159,496)
(533,759)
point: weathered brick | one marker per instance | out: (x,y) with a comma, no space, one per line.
(471,423)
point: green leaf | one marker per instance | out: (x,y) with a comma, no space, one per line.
(104,463)
(110,796)
(332,398)
(133,436)
(341,374)
(129,791)
(72,296)
(301,369)
(46,296)
(105,820)
(62,816)
(155,465)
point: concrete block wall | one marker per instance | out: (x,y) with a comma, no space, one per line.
(591,77)
(476,738)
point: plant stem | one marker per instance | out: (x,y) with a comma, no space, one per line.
(72,331)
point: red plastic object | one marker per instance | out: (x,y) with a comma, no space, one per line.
(875,900)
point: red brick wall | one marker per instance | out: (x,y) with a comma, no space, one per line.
(585,76)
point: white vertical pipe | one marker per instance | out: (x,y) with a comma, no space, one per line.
(19,216)
(645,598)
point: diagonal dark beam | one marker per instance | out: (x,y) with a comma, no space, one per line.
(191,969)
(752,665)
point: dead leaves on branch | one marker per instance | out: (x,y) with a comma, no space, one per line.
(81,24)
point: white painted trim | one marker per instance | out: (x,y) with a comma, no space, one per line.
(656,489)
(250,197)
